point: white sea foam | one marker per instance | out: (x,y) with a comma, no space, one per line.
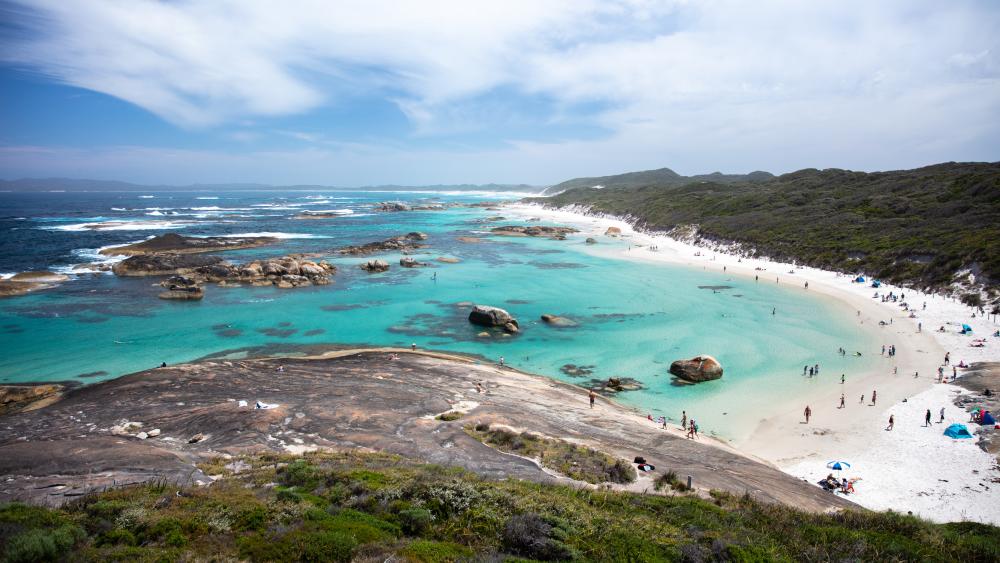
(336,211)
(208,197)
(155,213)
(120,225)
(273,235)
(118,209)
(146,197)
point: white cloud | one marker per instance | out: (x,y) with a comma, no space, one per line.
(695,85)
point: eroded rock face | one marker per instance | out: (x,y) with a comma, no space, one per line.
(17,398)
(392,206)
(180,244)
(697,369)
(376,265)
(294,270)
(613,232)
(533,231)
(485,315)
(402,243)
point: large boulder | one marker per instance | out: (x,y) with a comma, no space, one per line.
(613,232)
(375,266)
(485,315)
(557,321)
(163,264)
(697,369)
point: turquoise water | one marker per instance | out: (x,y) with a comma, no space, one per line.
(634,318)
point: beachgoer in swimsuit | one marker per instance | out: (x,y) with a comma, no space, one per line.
(593,397)
(892,422)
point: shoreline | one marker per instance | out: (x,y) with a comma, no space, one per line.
(857,432)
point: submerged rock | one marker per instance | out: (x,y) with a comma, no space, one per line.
(559,322)
(402,243)
(25,282)
(697,369)
(590,241)
(533,231)
(408,262)
(180,287)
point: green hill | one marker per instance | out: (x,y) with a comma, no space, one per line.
(917,227)
(660,177)
(374,507)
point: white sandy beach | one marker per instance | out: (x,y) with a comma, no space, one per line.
(912,468)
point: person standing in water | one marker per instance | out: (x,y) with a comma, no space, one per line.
(808,412)
(684,419)
(842,378)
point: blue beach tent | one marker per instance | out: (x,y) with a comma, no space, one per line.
(966,329)
(988,420)
(876,283)
(957,431)
(860,279)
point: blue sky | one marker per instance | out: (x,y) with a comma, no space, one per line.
(358,93)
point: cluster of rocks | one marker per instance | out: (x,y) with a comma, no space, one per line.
(590,241)
(391,206)
(493,317)
(375,265)
(403,243)
(133,429)
(697,369)
(558,233)
(180,287)
(410,262)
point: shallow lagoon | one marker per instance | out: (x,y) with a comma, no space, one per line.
(634,318)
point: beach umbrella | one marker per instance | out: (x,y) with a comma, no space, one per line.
(838,465)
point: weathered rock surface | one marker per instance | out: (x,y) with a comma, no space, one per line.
(343,407)
(18,398)
(448,259)
(697,369)
(306,215)
(485,315)
(180,244)
(590,241)
(164,264)
(533,231)
(559,322)
(376,265)
(392,206)
(26,282)
(402,243)
(613,232)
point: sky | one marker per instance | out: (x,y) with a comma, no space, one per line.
(372,92)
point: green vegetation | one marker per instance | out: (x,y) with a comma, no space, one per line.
(669,479)
(577,462)
(917,227)
(450,416)
(370,507)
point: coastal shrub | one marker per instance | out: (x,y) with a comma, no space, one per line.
(533,536)
(436,552)
(415,521)
(43,544)
(298,545)
(299,473)
(116,537)
(250,518)
(450,416)
(289,495)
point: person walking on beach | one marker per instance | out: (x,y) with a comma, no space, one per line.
(942,416)
(927,418)
(883,349)
(684,419)
(842,378)
(841,401)
(947,358)
(805,369)
(593,397)
(892,422)
(874,395)
(808,412)
(862,401)
(501,361)
(413,346)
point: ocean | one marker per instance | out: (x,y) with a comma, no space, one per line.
(633,319)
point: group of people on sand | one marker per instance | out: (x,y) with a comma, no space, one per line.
(843,485)
(889,351)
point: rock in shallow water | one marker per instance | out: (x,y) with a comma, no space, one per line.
(485,315)
(697,369)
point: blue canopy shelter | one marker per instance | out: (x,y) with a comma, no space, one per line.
(860,279)
(957,431)
(876,283)
(966,329)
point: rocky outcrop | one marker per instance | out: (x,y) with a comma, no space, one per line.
(180,287)
(164,264)
(590,241)
(376,265)
(392,206)
(697,369)
(180,244)
(495,317)
(26,282)
(558,322)
(448,260)
(558,233)
(402,243)
(613,232)
(409,262)
(306,215)
(19,398)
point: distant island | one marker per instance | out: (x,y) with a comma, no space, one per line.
(934,228)
(85,185)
